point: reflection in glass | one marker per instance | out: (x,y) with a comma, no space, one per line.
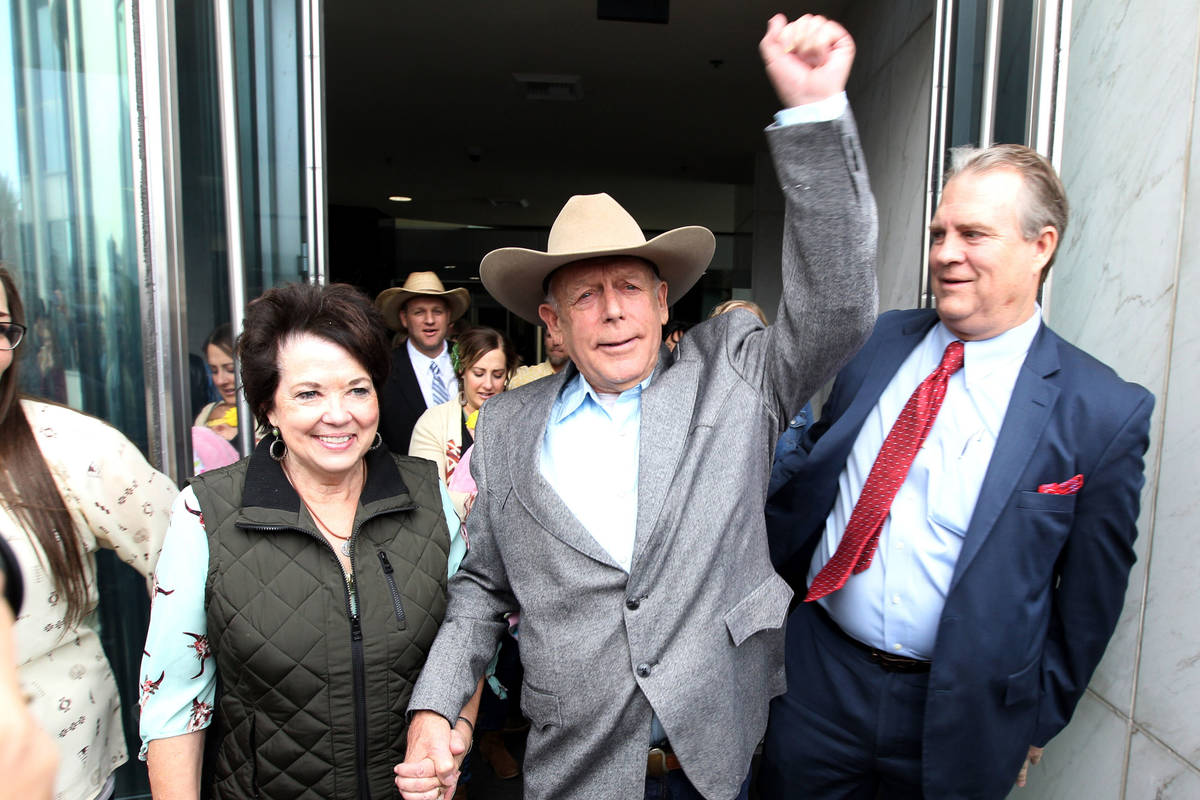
(68,233)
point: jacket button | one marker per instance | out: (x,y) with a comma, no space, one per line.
(643,670)
(633,603)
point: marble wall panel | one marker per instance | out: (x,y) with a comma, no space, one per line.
(1097,737)
(1155,772)
(881,30)
(1124,165)
(893,118)
(1168,691)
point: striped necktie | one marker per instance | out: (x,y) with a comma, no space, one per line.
(440,395)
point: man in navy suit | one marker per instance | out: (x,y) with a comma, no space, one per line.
(960,588)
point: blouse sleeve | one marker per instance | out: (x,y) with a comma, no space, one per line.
(125,503)
(178,682)
(458,543)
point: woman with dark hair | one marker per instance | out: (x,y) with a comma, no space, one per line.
(220,415)
(70,484)
(483,362)
(325,560)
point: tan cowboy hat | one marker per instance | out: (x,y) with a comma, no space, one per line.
(420,284)
(588,226)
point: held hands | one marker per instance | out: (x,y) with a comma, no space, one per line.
(435,752)
(807,60)
(1033,757)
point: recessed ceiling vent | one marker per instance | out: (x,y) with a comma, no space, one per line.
(540,87)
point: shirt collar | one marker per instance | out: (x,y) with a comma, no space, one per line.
(578,391)
(982,358)
(419,359)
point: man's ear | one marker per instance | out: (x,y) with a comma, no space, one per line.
(663,312)
(551,319)
(1044,246)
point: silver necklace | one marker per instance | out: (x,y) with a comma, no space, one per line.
(344,539)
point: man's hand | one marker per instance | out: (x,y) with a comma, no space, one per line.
(1032,757)
(807,60)
(430,768)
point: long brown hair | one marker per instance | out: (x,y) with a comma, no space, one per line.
(28,488)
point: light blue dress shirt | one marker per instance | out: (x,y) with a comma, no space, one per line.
(590,458)
(896,603)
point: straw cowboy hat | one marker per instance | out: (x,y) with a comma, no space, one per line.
(588,226)
(420,284)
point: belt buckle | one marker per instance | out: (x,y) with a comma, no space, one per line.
(656,763)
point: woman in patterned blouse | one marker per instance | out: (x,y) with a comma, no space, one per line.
(70,484)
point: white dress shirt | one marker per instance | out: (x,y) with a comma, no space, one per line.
(421,363)
(590,458)
(895,604)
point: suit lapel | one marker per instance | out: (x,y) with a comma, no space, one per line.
(525,470)
(662,436)
(1029,409)
(410,389)
(878,373)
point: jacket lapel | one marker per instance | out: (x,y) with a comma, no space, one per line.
(878,373)
(525,469)
(662,436)
(1029,409)
(410,389)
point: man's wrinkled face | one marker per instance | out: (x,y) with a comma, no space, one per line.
(427,320)
(985,273)
(609,314)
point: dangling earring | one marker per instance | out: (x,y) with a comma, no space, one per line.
(378,441)
(278,456)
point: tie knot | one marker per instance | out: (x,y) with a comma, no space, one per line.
(952,359)
(433,367)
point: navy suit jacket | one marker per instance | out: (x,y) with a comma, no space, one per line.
(1041,578)
(401,403)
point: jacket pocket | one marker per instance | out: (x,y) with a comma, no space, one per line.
(1024,685)
(540,708)
(389,576)
(765,607)
(1037,501)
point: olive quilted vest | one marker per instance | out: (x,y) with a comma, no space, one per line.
(312,692)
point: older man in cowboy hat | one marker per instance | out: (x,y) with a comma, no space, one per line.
(620,501)
(422,375)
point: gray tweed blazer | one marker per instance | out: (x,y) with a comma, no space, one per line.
(695,631)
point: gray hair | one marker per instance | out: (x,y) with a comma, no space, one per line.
(1044,199)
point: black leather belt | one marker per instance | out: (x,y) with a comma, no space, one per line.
(886,661)
(661,761)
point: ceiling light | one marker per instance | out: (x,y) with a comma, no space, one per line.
(450,266)
(399,198)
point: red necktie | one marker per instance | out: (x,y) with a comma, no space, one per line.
(891,466)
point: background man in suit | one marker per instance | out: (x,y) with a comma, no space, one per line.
(962,602)
(617,502)
(421,375)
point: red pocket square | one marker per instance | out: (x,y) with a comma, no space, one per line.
(1071,486)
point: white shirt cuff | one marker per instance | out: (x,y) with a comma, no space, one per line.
(821,111)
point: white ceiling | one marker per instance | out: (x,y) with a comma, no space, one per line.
(669,120)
